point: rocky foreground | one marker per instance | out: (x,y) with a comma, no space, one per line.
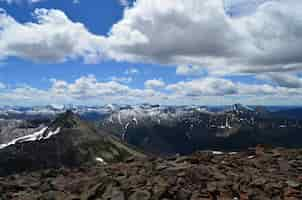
(261,174)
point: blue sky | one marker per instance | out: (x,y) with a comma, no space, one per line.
(98,17)
(185,52)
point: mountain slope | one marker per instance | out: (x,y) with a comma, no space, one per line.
(294,113)
(67,141)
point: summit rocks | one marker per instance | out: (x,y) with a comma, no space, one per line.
(200,176)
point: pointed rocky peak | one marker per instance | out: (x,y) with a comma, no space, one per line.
(67,120)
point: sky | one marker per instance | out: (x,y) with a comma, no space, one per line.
(181,52)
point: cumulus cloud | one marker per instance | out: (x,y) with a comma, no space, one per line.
(201,33)
(224,87)
(52,38)
(283,80)
(2,86)
(195,33)
(197,36)
(84,90)
(89,88)
(122,79)
(154,83)
(89,91)
(186,70)
(204,87)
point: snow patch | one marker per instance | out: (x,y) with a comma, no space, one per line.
(135,120)
(217,152)
(101,160)
(52,133)
(39,135)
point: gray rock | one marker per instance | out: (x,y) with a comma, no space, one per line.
(293,184)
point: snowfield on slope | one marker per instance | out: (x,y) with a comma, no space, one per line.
(39,135)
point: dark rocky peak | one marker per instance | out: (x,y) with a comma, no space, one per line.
(67,120)
(67,142)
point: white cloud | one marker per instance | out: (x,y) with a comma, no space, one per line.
(154,83)
(122,79)
(204,87)
(89,88)
(59,87)
(201,33)
(89,91)
(197,36)
(191,32)
(225,87)
(85,90)
(186,70)
(282,79)
(53,38)
(2,86)
(132,71)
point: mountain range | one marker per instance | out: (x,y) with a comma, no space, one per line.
(147,152)
(170,130)
(166,130)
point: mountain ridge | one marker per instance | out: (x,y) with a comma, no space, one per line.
(74,143)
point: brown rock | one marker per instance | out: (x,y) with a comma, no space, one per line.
(261,149)
(140,195)
(244,196)
(212,186)
(183,194)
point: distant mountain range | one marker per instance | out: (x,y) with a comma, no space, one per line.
(166,130)
(93,113)
(170,130)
